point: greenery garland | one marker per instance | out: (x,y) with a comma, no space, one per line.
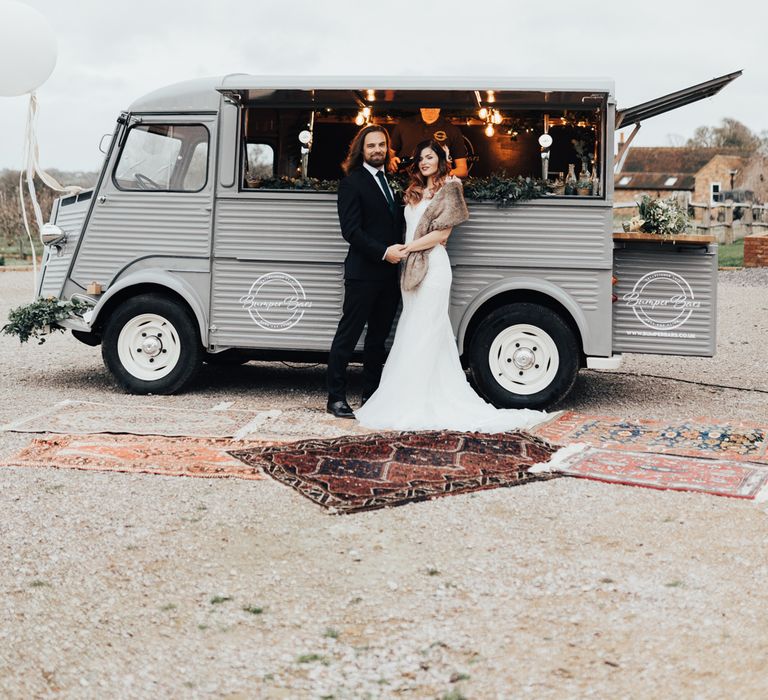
(33,320)
(499,188)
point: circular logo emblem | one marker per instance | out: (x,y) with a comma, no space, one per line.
(440,135)
(276,301)
(662,300)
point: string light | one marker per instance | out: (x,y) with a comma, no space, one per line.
(370,95)
(489,130)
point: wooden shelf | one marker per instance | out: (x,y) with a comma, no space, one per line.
(657,238)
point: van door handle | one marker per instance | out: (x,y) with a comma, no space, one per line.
(102,198)
(208,209)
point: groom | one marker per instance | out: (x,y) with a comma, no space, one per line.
(371,218)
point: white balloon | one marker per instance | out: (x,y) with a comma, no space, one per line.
(27,48)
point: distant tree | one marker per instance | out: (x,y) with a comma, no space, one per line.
(730,134)
(12,233)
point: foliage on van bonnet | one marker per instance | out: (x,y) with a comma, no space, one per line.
(499,188)
(664,216)
(33,320)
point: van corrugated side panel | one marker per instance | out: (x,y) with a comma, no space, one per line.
(70,217)
(667,299)
(274,247)
(133,225)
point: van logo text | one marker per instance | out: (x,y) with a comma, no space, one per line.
(276,301)
(662,300)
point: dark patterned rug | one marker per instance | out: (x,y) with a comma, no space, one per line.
(354,473)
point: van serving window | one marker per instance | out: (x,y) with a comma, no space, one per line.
(305,134)
(163,157)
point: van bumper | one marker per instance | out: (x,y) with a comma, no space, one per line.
(613,362)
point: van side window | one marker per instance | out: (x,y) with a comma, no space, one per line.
(260,161)
(163,157)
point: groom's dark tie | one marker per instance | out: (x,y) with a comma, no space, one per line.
(387,193)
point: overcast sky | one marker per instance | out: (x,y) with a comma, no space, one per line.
(110,53)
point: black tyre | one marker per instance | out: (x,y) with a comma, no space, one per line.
(151,345)
(524,356)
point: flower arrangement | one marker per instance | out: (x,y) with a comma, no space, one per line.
(662,216)
(36,319)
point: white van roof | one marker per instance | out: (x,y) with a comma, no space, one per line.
(202,95)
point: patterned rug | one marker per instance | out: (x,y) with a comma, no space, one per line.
(278,425)
(205,457)
(718,477)
(701,438)
(354,473)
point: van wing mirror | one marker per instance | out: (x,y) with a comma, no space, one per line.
(52,235)
(104,143)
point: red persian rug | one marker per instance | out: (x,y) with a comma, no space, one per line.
(696,438)
(189,456)
(720,477)
(355,473)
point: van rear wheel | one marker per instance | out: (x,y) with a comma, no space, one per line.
(151,345)
(524,356)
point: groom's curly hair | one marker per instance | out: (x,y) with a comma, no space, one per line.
(354,157)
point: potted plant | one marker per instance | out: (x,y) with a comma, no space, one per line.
(584,186)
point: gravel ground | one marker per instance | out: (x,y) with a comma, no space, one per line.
(117,585)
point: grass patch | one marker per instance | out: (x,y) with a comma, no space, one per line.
(311,658)
(433,572)
(674,584)
(37,583)
(731,255)
(253,609)
(331,633)
(454,695)
(218,599)
(168,607)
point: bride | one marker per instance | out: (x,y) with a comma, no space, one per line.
(423,385)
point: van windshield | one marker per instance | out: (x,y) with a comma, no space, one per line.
(166,157)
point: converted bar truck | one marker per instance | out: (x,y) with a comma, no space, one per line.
(212,234)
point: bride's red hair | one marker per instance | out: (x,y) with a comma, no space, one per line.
(415,191)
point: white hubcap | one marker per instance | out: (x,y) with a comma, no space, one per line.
(524,359)
(149,347)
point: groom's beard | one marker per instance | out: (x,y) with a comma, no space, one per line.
(376,161)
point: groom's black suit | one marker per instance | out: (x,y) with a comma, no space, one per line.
(371,284)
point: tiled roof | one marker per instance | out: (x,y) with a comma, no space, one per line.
(673,160)
(653,181)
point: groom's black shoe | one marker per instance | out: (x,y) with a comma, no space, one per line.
(340,409)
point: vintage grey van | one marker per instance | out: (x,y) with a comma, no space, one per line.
(212,233)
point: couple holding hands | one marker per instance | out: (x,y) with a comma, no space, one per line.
(422,385)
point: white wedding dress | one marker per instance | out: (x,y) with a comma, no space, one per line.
(423,386)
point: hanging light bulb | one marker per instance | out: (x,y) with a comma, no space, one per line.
(483,113)
(489,130)
(497,118)
(366,112)
(371,95)
(359,119)
(491,97)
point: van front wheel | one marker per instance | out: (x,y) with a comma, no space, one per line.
(151,346)
(524,356)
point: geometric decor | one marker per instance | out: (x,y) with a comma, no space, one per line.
(702,438)
(354,473)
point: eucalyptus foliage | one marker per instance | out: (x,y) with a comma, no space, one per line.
(32,320)
(499,188)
